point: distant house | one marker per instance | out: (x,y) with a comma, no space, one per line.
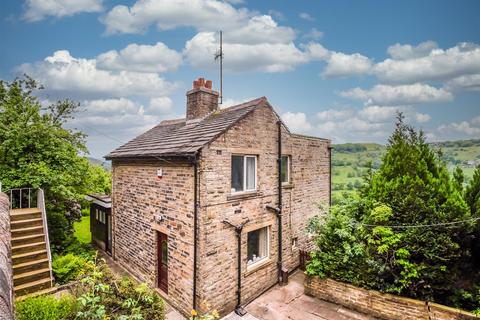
(179,188)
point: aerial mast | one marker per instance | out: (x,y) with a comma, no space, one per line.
(219,56)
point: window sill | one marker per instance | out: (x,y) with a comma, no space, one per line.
(287,185)
(257,266)
(243,195)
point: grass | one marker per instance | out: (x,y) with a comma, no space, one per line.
(82,230)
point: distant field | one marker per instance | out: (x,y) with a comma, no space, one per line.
(350,161)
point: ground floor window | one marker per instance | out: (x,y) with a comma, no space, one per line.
(257,246)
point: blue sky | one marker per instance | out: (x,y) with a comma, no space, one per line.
(335,69)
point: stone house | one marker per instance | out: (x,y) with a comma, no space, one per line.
(213,207)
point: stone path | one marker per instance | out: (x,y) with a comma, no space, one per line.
(290,303)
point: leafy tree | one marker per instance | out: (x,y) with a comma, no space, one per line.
(36,150)
(399,246)
(472,193)
(458,179)
(417,187)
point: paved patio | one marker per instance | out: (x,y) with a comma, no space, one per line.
(290,303)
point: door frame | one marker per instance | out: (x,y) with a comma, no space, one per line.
(162,268)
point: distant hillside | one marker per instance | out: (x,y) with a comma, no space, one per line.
(350,161)
(106,164)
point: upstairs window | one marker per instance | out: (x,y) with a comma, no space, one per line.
(244,173)
(285,166)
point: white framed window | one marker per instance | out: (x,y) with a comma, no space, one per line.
(96,214)
(294,243)
(258,246)
(244,173)
(285,169)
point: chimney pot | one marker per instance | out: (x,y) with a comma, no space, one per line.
(201,100)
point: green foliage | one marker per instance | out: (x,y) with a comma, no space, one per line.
(472,193)
(102,294)
(68,267)
(340,251)
(36,150)
(46,308)
(367,241)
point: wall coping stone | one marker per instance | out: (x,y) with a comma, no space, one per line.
(378,304)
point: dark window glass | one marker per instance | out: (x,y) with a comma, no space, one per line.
(237,173)
(253,245)
(165,252)
(284,168)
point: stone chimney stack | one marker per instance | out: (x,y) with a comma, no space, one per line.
(201,100)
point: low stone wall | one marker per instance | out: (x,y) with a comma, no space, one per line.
(380,305)
(6,278)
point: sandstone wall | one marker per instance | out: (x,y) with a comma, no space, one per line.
(139,200)
(255,135)
(380,305)
(6,277)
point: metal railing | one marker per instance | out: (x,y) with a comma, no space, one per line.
(23,198)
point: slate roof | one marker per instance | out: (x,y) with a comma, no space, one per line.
(178,137)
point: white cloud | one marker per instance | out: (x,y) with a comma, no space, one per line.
(380,113)
(110,106)
(36,10)
(439,65)
(306,16)
(476,120)
(141,58)
(297,122)
(463,127)
(406,51)
(422,117)
(251,42)
(399,95)
(313,34)
(81,77)
(340,64)
(333,114)
(204,15)
(266,57)
(467,82)
(160,105)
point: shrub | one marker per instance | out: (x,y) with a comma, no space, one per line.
(102,294)
(46,308)
(67,268)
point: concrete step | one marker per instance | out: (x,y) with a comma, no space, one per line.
(31,276)
(29,256)
(24,248)
(27,223)
(23,214)
(30,266)
(30,287)
(27,231)
(21,240)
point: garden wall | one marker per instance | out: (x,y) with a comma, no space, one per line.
(6,278)
(380,305)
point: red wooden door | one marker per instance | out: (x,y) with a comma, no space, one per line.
(162,261)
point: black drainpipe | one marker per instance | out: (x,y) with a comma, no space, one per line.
(195,227)
(238,231)
(279,212)
(330,175)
